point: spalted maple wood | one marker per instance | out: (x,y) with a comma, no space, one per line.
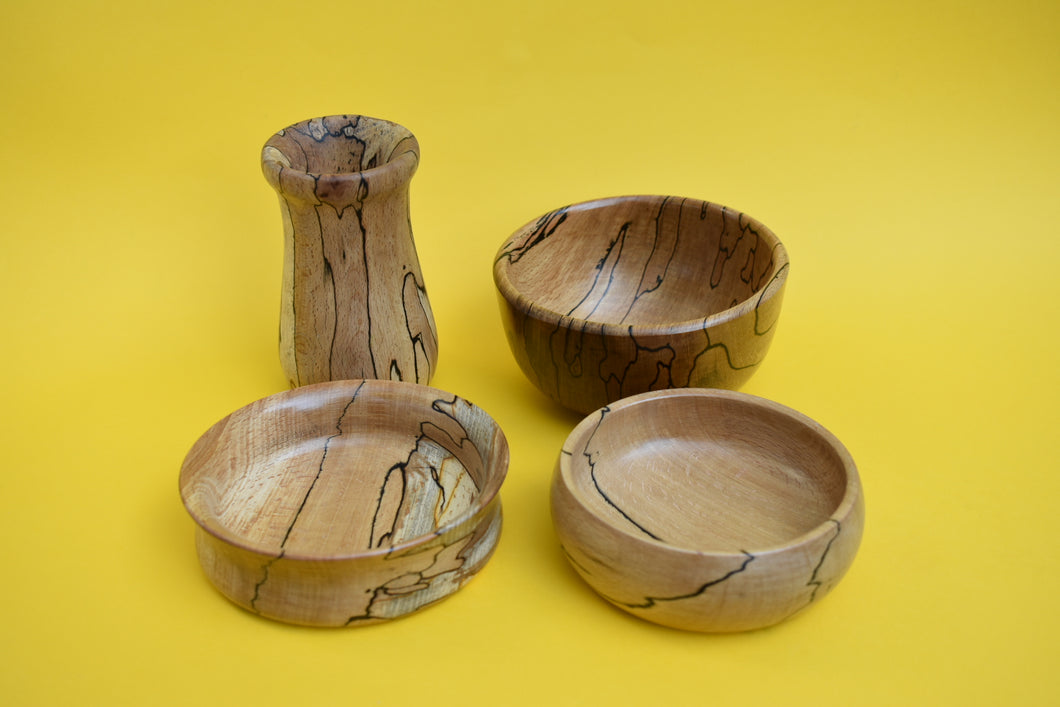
(609,298)
(353,300)
(708,510)
(346,503)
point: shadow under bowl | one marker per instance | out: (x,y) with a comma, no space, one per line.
(346,503)
(708,510)
(610,298)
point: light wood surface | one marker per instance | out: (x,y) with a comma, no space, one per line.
(610,298)
(353,300)
(708,510)
(346,503)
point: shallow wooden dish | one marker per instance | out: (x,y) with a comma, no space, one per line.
(707,510)
(610,298)
(346,503)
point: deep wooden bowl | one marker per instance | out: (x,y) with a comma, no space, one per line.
(346,503)
(610,298)
(708,510)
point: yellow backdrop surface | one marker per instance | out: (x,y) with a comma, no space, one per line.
(906,153)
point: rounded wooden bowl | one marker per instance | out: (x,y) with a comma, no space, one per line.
(346,503)
(610,298)
(707,510)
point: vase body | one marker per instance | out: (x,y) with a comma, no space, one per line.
(353,300)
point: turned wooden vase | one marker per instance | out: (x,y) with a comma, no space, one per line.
(354,304)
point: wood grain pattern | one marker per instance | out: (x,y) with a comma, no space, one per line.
(348,502)
(353,303)
(707,510)
(610,298)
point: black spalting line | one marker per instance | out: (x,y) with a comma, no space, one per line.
(660,365)
(525,323)
(814,582)
(293,141)
(418,342)
(641,347)
(264,578)
(747,273)
(402,467)
(437,405)
(390,157)
(353,125)
(765,289)
(362,191)
(649,602)
(552,355)
(641,289)
(464,439)
(572,349)
(420,583)
(320,468)
(294,268)
(620,241)
(399,468)
(305,155)
(329,277)
(441,489)
(710,347)
(724,253)
(305,499)
(367,615)
(414,339)
(422,580)
(766,269)
(577,565)
(757,331)
(339,132)
(592,474)
(367,280)
(542,230)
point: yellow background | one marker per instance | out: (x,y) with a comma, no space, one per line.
(905,152)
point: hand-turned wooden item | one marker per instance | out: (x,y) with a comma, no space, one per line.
(346,503)
(610,298)
(707,510)
(353,302)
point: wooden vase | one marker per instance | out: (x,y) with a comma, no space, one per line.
(353,302)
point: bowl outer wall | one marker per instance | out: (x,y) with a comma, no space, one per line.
(355,591)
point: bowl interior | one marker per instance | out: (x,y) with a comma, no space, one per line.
(341,469)
(339,144)
(709,471)
(640,260)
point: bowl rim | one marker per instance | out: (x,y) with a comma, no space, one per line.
(480,504)
(524,304)
(844,509)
